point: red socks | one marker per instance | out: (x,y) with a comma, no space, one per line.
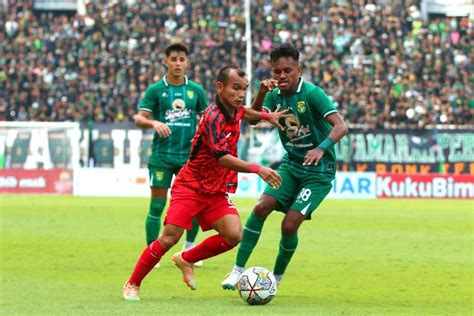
(209,247)
(149,258)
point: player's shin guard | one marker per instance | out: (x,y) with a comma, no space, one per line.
(153,220)
(149,258)
(252,229)
(191,233)
(287,248)
(209,247)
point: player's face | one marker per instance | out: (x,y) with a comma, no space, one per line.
(287,71)
(233,92)
(177,63)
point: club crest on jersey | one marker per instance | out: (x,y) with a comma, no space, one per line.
(178,105)
(190,94)
(159,175)
(301,106)
(164,94)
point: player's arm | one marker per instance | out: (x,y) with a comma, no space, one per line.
(268,175)
(144,120)
(321,103)
(338,131)
(252,115)
(265,86)
(339,127)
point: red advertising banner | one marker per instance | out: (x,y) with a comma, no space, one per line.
(58,181)
(439,186)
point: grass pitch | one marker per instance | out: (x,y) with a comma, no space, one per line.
(71,256)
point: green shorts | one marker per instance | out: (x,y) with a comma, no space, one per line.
(162,170)
(300,191)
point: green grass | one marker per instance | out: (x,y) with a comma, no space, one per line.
(71,255)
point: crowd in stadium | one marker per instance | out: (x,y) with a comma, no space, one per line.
(380,62)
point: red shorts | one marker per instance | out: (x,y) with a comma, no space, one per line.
(186,204)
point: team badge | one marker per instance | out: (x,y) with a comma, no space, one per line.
(190,94)
(178,105)
(159,175)
(164,94)
(301,106)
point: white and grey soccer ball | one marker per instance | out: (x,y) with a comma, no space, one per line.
(257,286)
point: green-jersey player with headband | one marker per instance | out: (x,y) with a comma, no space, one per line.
(171,107)
(308,167)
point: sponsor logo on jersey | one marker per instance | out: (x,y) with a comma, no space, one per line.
(294,130)
(178,105)
(301,106)
(190,94)
(175,115)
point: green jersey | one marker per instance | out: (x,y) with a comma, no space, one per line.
(177,107)
(307,126)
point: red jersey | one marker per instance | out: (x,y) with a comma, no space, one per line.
(217,135)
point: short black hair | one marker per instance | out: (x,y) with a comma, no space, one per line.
(285,50)
(223,74)
(176,47)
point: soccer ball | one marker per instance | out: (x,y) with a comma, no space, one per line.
(257,286)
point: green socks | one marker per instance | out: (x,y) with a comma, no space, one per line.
(153,220)
(191,234)
(251,233)
(287,248)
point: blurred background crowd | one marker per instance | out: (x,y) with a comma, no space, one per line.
(379,61)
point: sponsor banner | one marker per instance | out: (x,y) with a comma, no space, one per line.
(353,185)
(112,182)
(347,185)
(425,186)
(445,151)
(58,181)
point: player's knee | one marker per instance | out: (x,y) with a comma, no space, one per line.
(233,238)
(168,241)
(289,228)
(262,210)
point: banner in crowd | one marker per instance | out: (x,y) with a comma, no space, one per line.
(57,181)
(447,151)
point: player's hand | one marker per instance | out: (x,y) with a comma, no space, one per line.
(270,176)
(313,156)
(267,85)
(162,129)
(276,116)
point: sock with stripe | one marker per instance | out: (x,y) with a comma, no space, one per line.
(153,220)
(252,229)
(209,247)
(148,259)
(287,248)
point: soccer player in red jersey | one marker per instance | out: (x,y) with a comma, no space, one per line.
(201,187)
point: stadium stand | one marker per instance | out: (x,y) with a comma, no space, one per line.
(380,62)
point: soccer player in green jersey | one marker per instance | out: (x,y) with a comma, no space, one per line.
(308,167)
(171,106)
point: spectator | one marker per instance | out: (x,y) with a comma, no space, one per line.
(380,63)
